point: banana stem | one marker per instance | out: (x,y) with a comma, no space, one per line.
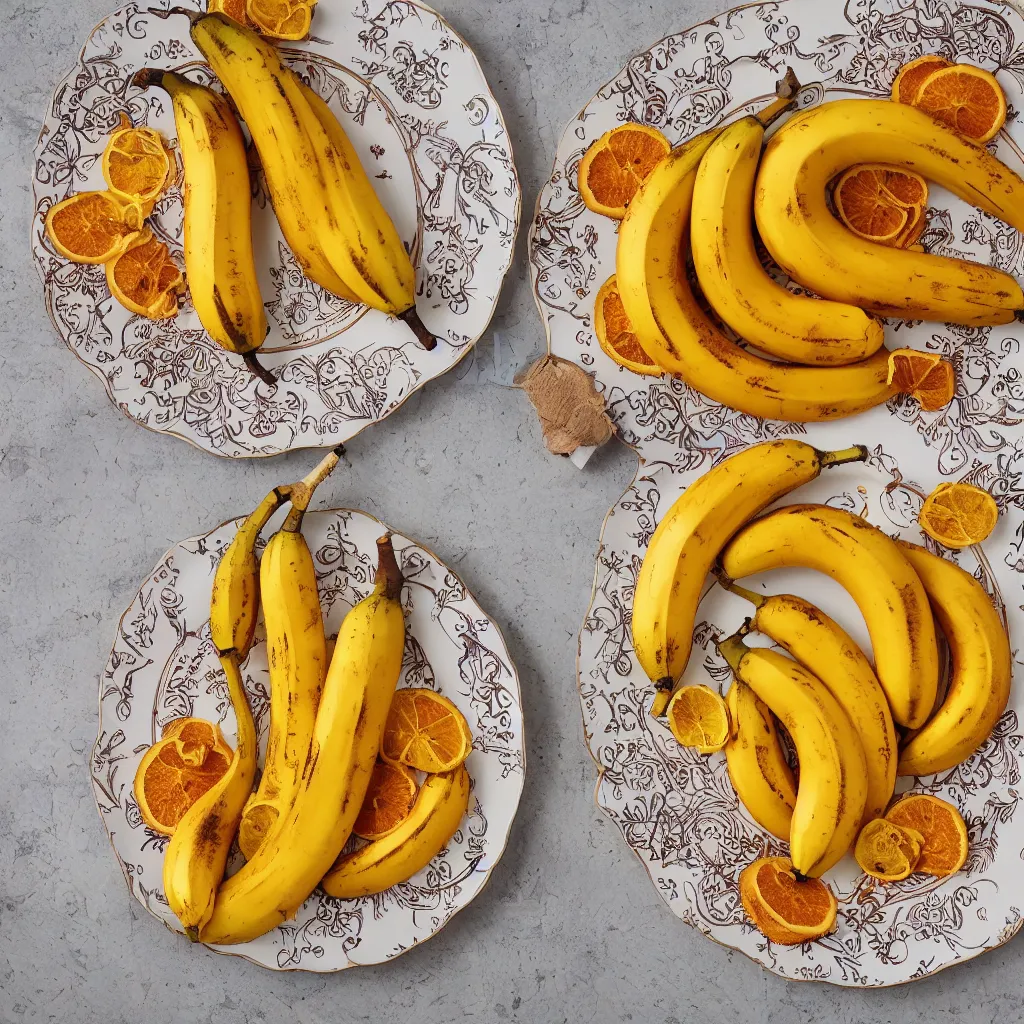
(144,78)
(858,453)
(734,588)
(786,90)
(389,579)
(302,492)
(193,16)
(732,649)
(416,325)
(250,360)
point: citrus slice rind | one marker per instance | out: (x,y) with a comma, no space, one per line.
(425,730)
(699,718)
(958,515)
(184,763)
(887,851)
(925,376)
(388,801)
(145,280)
(965,98)
(93,227)
(137,164)
(942,828)
(616,165)
(782,908)
(913,74)
(615,333)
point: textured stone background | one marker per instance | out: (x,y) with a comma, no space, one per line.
(569,929)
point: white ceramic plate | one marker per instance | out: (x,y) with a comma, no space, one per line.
(677,811)
(162,667)
(412,97)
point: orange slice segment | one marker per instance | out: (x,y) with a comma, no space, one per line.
(913,75)
(699,718)
(280,19)
(879,202)
(179,768)
(388,801)
(942,828)
(616,165)
(783,908)
(137,164)
(925,376)
(887,851)
(957,515)
(426,731)
(967,99)
(615,332)
(234,9)
(145,280)
(93,227)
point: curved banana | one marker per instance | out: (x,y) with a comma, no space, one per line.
(877,576)
(814,248)
(353,709)
(676,333)
(798,328)
(692,533)
(316,190)
(219,263)
(757,764)
(827,651)
(981,672)
(198,851)
(297,656)
(433,820)
(833,776)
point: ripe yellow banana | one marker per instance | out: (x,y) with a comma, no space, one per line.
(297,656)
(827,651)
(877,576)
(757,763)
(219,262)
(691,535)
(318,194)
(981,671)
(833,773)
(353,709)
(798,328)
(434,819)
(198,850)
(676,333)
(814,248)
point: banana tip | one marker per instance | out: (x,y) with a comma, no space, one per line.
(193,933)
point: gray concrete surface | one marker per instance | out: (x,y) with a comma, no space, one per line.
(569,929)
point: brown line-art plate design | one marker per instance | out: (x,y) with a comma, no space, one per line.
(412,97)
(676,810)
(162,666)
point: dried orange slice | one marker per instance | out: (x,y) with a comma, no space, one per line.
(967,99)
(280,19)
(913,74)
(879,202)
(887,851)
(616,165)
(784,909)
(942,828)
(137,164)
(234,9)
(145,280)
(180,767)
(93,227)
(699,718)
(924,375)
(388,801)
(615,332)
(957,515)
(426,731)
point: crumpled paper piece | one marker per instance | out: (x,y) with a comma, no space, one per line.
(570,409)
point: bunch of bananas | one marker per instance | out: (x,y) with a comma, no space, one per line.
(337,228)
(696,212)
(326,724)
(841,711)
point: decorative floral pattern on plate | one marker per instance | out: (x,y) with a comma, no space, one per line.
(412,98)
(163,666)
(677,810)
